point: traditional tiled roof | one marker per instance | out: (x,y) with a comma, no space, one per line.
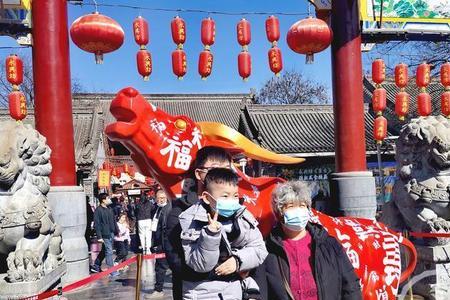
(222,108)
(304,130)
(91,114)
(435,89)
(87,123)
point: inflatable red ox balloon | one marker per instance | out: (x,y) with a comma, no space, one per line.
(164,147)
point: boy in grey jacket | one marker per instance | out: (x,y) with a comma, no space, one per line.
(220,240)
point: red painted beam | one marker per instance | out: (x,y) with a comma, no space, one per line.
(52,91)
(347,87)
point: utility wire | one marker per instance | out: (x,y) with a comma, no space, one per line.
(14,47)
(181,10)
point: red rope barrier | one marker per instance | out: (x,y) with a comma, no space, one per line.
(430,234)
(133,259)
(91,278)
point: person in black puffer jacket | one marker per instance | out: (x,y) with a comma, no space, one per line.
(144,222)
(304,261)
(207,159)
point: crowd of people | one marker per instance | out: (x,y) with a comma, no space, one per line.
(214,248)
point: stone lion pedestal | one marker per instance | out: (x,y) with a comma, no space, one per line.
(420,201)
(37,251)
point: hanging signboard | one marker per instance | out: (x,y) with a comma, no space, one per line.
(103,179)
(389,177)
(134,192)
(24,4)
(429,11)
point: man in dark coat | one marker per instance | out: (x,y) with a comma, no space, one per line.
(160,212)
(207,158)
(105,227)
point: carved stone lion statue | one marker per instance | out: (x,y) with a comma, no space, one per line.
(421,193)
(28,234)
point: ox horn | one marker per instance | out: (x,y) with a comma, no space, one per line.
(220,132)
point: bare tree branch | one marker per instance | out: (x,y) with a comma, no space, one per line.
(414,53)
(27,86)
(292,88)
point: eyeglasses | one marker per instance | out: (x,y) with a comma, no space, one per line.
(207,169)
(241,200)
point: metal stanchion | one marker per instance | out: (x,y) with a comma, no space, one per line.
(410,291)
(138,277)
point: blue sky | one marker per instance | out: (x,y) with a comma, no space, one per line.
(119,68)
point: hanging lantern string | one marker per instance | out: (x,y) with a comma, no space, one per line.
(396,53)
(96,5)
(212,12)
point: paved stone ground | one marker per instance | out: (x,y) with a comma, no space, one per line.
(121,287)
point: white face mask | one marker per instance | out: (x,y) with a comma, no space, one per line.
(108,202)
(296,218)
(161,204)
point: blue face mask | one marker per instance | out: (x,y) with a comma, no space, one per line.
(296,218)
(227,207)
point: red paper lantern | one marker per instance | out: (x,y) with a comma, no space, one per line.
(423,75)
(309,36)
(424,104)
(379,100)
(245,65)
(380,129)
(98,34)
(140,31)
(126,168)
(401,75)
(244,35)
(208,32)
(402,105)
(178,27)
(445,74)
(106,166)
(445,103)
(205,63)
(378,71)
(114,172)
(179,63)
(273,29)
(275,60)
(14,70)
(17,105)
(144,63)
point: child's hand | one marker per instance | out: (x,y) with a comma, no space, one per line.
(228,267)
(213,225)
